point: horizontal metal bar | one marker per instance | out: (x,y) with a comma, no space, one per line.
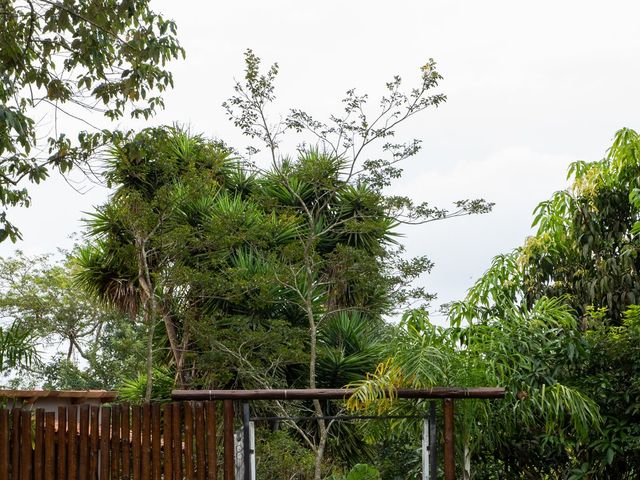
(341,417)
(334,393)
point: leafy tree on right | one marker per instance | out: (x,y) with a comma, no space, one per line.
(557,322)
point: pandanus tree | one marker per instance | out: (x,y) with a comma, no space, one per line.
(131,251)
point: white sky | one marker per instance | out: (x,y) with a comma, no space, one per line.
(532,86)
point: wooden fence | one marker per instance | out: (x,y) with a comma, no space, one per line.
(171,441)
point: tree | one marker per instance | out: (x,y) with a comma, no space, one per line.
(240,261)
(69,58)
(586,246)
(45,311)
(38,295)
(556,322)
(127,265)
(582,259)
(338,193)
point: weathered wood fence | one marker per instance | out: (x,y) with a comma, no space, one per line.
(171,441)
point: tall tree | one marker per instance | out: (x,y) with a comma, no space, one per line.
(337,190)
(69,58)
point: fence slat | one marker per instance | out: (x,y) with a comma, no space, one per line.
(26,452)
(188,440)
(49,445)
(62,443)
(177,441)
(146,441)
(212,459)
(167,439)
(135,441)
(115,442)
(83,462)
(4,444)
(94,434)
(200,442)
(156,459)
(125,436)
(38,460)
(149,442)
(15,443)
(105,420)
(72,441)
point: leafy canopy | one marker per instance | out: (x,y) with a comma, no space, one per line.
(66,59)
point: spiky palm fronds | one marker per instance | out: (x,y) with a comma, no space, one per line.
(105,272)
(17,347)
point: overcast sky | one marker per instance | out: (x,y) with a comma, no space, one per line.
(531,87)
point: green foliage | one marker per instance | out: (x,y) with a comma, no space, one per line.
(44,310)
(585,246)
(133,390)
(64,59)
(280,455)
(264,278)
(359,472)
(574,360)
(17,347)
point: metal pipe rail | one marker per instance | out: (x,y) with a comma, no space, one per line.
(336,393)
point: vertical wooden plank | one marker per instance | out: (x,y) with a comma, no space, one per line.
(156,459)
(15,443)
(125,436)
(188,440)
(115,441)
(200,442)
(176,429)
(62,442)
(83,461)
(167,438)
(26,452)
(146,442)
(229,465)
(4,444)
(449,441)
(38,460)
(105,421)
(212,459)
(50,446)
(135,441)
(94,442)
(72,442)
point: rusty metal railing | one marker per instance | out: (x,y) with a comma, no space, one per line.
(447,394)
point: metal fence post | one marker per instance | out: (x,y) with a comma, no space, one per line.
(246,440)
(433,442)
(449,445)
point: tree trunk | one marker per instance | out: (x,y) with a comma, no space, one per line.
(144,278)
(317,472)
(466,466)
(149,323)
(174,345)
(313,356)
